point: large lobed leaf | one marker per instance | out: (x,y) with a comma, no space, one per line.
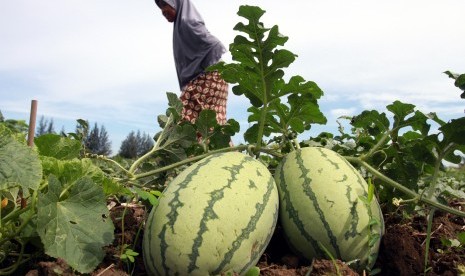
(57,146)
(74,223)
(19,164)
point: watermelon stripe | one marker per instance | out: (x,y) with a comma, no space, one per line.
(163,249)
(175,241)
(311,195)
(353,211)
(323,153)
(251,226)
(320,192)
(175,203)
(352,231)
(292,212)
(262,248)
(360,180)
(210,214)
(149,253)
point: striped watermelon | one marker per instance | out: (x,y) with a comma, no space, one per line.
(320,207)
(217,215)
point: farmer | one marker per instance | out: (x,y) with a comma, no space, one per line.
(194,50)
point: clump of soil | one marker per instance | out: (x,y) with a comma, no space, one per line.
(403,247)
(402,250)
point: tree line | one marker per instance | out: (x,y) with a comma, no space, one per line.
(94,139)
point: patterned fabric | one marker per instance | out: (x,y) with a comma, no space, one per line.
(207,91)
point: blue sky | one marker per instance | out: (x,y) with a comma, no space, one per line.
(110,62)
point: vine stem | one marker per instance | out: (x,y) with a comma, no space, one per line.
(403,189)
(136,164)
(377,146)
(10,270)
(430,195)
(428,238)
(18,230)
(189,160)
(441,155)
(106,159)
(262,120)
(261,126)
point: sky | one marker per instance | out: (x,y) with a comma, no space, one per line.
(111,62)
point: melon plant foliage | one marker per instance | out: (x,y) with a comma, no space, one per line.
(258,75)
(62,205)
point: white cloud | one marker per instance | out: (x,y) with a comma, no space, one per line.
(338,112)
(112,60)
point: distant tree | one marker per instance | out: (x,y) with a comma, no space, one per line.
(135,145)
(17,126)
(145,143)
(128,148)
(45,127)
(97,141)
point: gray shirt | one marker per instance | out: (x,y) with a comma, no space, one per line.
(194,48)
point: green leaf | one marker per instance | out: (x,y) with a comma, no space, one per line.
(305,110)
(231,127)
(254,271)
(19,166)
(400,111)
(418,122)
(297,84)
(177,136)
(77,226)
(175,106)
(250,135)
(219,140)
(459,81)
(375,122)
(57,146)
(259,76)
(146,196)
(69,171)
(371,191)
(461,238)
(206,122)
(113,187)
(454,131)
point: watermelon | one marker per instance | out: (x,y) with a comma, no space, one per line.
(321,213)
(217,215)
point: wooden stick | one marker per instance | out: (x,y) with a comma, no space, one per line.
(32,123)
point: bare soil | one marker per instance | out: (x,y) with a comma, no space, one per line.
(402,250)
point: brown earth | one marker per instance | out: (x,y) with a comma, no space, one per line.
(402,250)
